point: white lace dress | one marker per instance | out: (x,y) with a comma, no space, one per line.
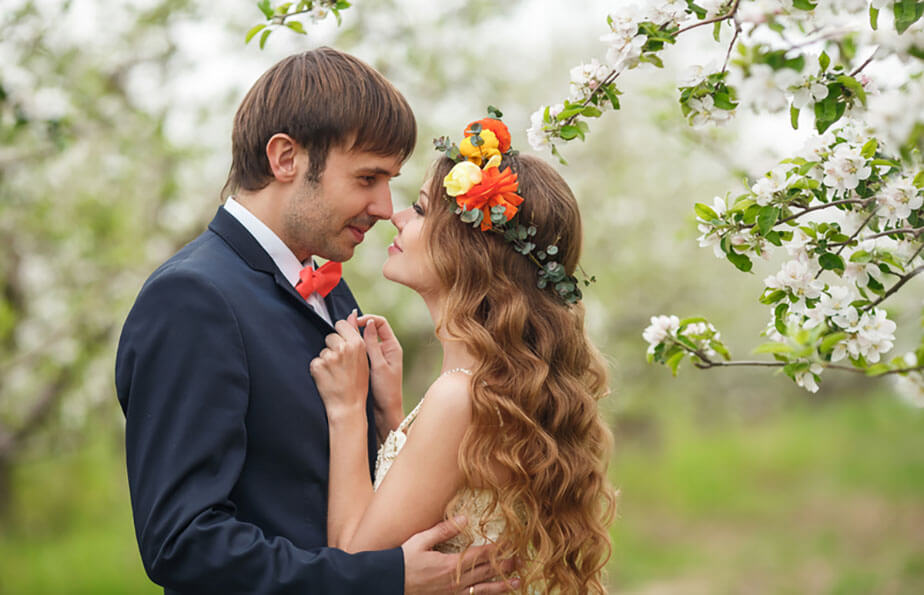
(485,527)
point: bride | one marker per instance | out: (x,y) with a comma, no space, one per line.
(508,436)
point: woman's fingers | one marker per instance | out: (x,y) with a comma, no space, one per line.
(373,348)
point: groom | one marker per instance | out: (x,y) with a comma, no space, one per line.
(226,435)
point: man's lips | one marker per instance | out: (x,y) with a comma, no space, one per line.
(358,232)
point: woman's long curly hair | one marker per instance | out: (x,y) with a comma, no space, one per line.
(537,442)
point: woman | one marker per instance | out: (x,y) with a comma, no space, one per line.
(509,434)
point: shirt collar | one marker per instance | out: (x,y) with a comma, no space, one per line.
(288,264)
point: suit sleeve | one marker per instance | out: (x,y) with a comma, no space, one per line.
(181,375)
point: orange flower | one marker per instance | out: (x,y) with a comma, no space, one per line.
(497,188)
(497,127)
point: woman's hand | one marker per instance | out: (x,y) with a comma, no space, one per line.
(386,359)
(341,371)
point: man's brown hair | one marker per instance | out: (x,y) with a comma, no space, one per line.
(322,98)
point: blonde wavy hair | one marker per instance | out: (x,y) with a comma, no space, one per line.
(537,442)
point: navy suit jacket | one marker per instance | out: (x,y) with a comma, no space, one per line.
(226,436)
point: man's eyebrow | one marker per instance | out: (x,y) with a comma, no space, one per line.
(377,170)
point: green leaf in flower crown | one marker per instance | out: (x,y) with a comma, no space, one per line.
(494,112)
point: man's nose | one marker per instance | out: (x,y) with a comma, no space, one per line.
(381,206)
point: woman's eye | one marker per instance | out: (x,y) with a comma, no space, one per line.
(417,208)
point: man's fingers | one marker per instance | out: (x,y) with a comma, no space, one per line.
(476,556)
(495,587)
(439,533)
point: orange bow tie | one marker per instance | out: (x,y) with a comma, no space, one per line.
(322,280)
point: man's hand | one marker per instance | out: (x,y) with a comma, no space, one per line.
(427,571)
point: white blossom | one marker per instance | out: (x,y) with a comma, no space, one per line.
(585,78)
(845,168)
(897,200)
(807,378)
(703,111)
(537,135)
(910,386)
(798,277)
(710,237)
(809,91)
(661,328)
(767,186)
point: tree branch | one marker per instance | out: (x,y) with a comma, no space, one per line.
(720,364)
(730,14)
(915,231)
(902,280)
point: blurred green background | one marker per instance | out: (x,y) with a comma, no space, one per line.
(115,122)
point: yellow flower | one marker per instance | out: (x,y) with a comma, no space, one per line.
(461,178)
(477,155)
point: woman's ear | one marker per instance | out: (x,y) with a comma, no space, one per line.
(283,154)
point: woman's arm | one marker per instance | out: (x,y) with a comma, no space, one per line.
(423,478)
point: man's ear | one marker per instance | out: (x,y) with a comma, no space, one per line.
(283,154)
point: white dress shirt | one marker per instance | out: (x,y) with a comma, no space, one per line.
(278,251)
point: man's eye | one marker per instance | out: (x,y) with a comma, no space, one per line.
(368,180)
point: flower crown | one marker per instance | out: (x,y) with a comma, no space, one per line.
(487,198)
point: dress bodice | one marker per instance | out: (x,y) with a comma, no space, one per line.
(485,527)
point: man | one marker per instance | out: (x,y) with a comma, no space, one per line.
(226,435)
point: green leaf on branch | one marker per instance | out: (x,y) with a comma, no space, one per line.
(612,95)
(674,361)
(342,4)
(869,149)
(265,8)
(773,347)
(828,343)
(773,297)
(804,4)
(263,37)
(704,212)
(829,110)
(741,261)
(720,348)
(775,238)
(831,262)
(907,12)
(283,8)
(919,179)
(716,30)
(591,111)
(873,17)
(878,369)
(854,86)
(570,132)
(861,256)
(794,117)
(297,27)
(767,218)
(796,367)
(691,320)
(824,61)
(253,31)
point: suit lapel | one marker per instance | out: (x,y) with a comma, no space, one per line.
(251,252)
